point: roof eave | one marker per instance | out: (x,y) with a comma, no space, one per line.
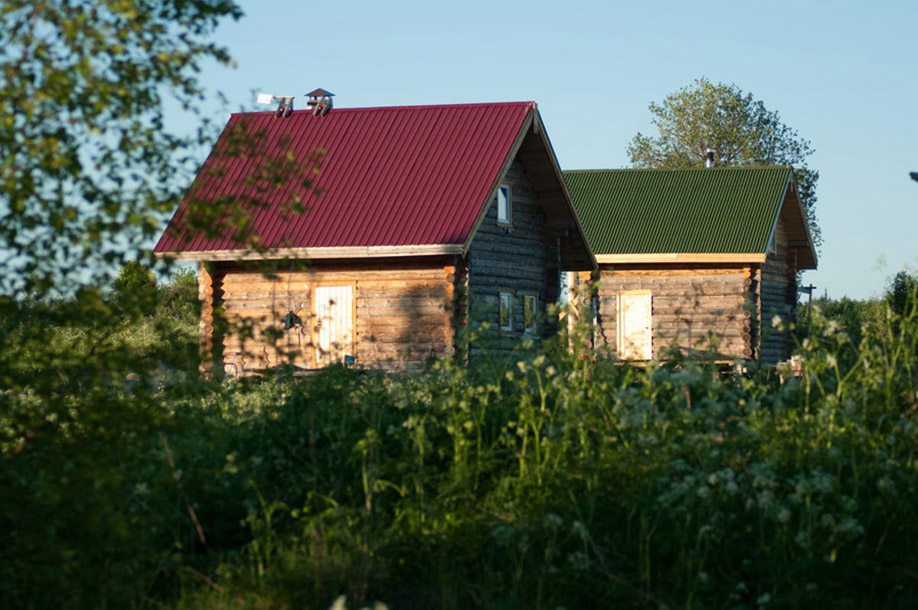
(315,253)
(534,121)
(681,257)
(812,260)
(567,196)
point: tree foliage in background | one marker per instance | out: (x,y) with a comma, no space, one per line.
(736,126)
(902,294)
(87,164)
(88,167)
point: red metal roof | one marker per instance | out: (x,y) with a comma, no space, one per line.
(413,175)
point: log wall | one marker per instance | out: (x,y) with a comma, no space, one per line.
(402,312)
(522,259)
(778,297)
(690,306)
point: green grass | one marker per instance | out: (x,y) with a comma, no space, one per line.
(556,481)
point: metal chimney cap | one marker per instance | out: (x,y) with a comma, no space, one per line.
(320,93)
(709,158)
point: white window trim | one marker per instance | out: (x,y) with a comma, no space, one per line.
(531,328)
(501,298)
(508,221)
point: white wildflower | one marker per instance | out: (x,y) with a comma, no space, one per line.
(340,603)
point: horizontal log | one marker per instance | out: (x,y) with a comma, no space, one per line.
(409,312)
(725,335)
(671,291)
(281,306)
(234,282)
(402,302)
(682,280)
(674,271)
(511,271)
(676,286)
(522,237)
(699,300)
(281,287)
(419,292)
(724,328)
(429,334)
(699,316)
(399,321)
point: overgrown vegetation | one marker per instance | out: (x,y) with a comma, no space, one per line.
(556,481)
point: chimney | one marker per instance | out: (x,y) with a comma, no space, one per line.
(709,158)
(319,101)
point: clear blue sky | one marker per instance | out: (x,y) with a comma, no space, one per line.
(844,74)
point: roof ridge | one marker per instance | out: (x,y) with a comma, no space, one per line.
(339,110)
(678,169)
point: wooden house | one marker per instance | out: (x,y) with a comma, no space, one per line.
(694,259)
(385,231)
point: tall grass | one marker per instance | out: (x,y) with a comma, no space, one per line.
(558,480)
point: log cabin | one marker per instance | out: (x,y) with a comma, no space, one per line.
(374,236)
(695,260)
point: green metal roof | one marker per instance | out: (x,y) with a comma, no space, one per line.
(645,211)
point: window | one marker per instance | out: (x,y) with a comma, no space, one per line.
(505,311)
(530,310)
(504,205)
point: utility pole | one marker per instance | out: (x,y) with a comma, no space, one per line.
(809,306)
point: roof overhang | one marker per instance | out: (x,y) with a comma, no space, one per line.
(681,257)
(799,235)
(317,253)
(535,151)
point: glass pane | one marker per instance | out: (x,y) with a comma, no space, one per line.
(503,204)
(528,311)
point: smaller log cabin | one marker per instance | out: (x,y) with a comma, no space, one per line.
(374,235)
(695,259)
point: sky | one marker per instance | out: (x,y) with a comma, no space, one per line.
(843,74)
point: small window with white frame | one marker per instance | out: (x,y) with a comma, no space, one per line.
(505,311)
(504,205)
(530,312)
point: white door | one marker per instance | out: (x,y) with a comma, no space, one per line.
(635,334)
(334,323)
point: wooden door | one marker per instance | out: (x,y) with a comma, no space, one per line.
(635,333)
(334,323)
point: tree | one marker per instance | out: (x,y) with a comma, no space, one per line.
(87,171)
(902,295)
(87,166)
(737,127)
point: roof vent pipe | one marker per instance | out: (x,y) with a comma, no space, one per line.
(709,158)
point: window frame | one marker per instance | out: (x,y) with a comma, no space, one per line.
(532,324)
(508,189)
(502,297)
